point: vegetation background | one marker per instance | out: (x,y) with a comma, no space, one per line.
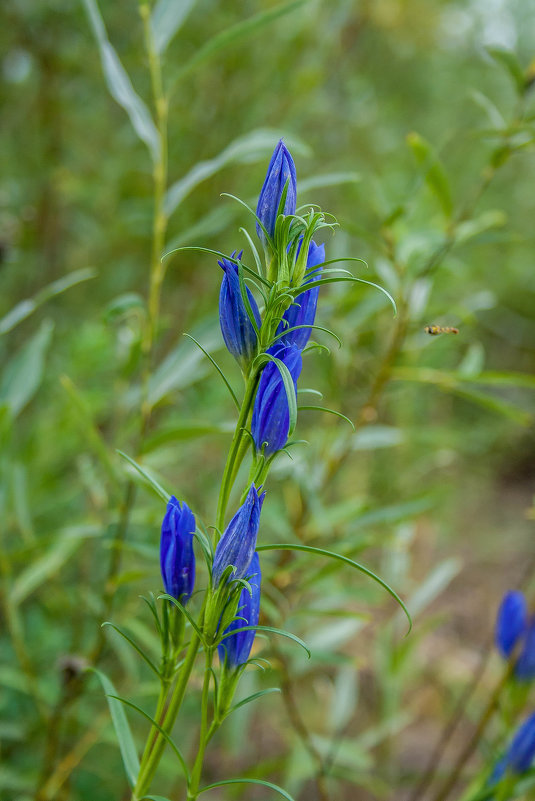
(410,127)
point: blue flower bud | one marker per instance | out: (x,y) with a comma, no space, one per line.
(271,416)
(237,545)
(511,622)
(236,649)
(236,327)
(303,310)
(281,170)
(520,753)
(525,667)
(177,559)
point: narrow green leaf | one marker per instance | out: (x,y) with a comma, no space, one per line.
(24,372)
(272,630)
(27,307)
(435,174)
(250,147)
(509,62)
(339,558)
(221,255)
(289,389)
(148,478)
(310,327)
(120,85)
(219,370)
(261,782)
(322,281)
(329,411)
(253,697)
(184,612)
(134,645)
(166,19)
(231,36)
(122,728)
(162,731)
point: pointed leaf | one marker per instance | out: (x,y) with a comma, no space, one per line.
(120,85)
(435,174)
(166,19)
(275,787)
(340,558)
(245,149)
(26,307)
(230,36)
(158,489)
(122,728)
(24,371)
(509,62)
(162,731)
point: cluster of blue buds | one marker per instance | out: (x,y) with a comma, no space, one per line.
(234,649)
(520,754)
(515,634)
(237,545)
(177,559)
(241,321)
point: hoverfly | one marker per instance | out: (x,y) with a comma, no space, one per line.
(434,330)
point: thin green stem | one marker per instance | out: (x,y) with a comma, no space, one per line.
(237,451)
(153,752)
(193,789)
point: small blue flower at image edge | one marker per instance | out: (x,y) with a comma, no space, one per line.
(520,754)
(237,545)
(281,171)
(177,558)
(511,622)
(303,309)
(234,650)
(238,331)
(270,423)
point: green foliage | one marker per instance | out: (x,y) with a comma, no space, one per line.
(432,489)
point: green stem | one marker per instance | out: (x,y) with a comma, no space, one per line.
(193,789)
(236,453)
(153,752)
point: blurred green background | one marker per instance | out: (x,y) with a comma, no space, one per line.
(412,122)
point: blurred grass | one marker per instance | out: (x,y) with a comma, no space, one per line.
(434,488)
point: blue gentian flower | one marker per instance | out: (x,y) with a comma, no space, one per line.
(237,545)
(303,310)
(236,327)
(271,416)
(234,651)
(511,622)
(520,754)
(281,170)
(525,667)
(177,559)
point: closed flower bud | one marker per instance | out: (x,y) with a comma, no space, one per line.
(177,559)
(234,650)
(236,327)
(520,754)
(511,622)
(271,416)
(281,171)
(237,545)
(525,667)
(303,309)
